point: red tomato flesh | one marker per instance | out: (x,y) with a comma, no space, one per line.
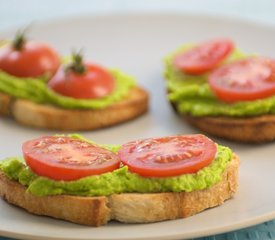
(65,158)
(203,57)
(244,80)
(33,60)
(168,156)
(96,82)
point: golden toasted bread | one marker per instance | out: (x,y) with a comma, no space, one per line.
(250,129)
(5,104)
(125,207)
(51,117)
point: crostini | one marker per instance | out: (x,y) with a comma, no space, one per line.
(220,90)
(37,90)
(147,180)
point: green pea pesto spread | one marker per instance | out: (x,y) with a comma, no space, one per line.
(36,90)
(192,94)
(118,181)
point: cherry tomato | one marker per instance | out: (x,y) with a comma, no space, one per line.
(244,80)
(204,57)
(168,156)
(33,59)
(95,82)
(65,158)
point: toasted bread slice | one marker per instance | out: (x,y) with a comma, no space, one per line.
(83,210)
(5,104)
(51,117)
(257,129)
(125,207)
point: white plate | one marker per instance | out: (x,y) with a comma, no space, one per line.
(137,44)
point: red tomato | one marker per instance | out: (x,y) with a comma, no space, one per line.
(204,57)
(168,156)
(65,158)
(32,60)
(244,80)
(95,82)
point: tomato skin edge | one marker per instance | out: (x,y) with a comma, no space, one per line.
(231,95)
(35,59)
(169,170)
(96,82)
(63,172)
(66,174)
(185,67)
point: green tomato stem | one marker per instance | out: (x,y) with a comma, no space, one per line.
(19,40)
(77,64)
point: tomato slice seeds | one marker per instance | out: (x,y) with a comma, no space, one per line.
(203,57)
(168,156)
(65,158)
(244,80)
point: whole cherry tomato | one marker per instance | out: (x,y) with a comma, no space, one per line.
(82,80)
(23,58)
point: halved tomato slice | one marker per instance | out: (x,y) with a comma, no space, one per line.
(65,158)
(244,80)
(203,57)
(168,156)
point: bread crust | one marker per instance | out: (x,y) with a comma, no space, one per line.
(257,129)
(5,104)
(50,117)
(83,210)
(125,207)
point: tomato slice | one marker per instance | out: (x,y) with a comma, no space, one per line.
(203,57)
(244,80)
(168,156)
(65,158)
(96,82)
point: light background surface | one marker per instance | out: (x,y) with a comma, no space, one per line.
(18,12)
